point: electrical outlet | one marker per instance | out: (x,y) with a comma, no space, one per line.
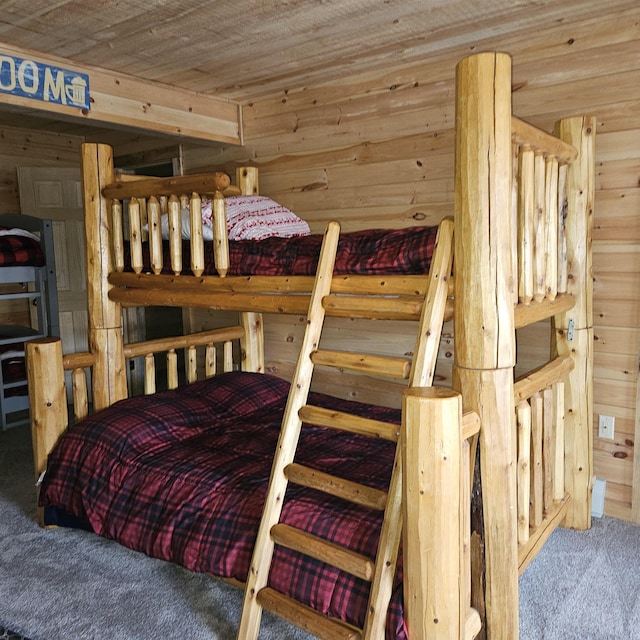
(605,426)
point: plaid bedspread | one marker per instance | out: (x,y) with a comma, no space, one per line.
(13,369)
(373,251)
(19,251)
(183,477)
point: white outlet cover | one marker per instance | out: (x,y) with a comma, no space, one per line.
(606,426)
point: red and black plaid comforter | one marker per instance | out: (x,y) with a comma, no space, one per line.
(19,251)
(182,476)
(13,369)
(373,251)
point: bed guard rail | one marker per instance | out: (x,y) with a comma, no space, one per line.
(46,368)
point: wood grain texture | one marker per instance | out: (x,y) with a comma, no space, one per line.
(331,142)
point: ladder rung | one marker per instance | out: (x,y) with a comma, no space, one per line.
(374,307)
(310,545)
(470,424)
(390,367)
(306,618)
(319,417)
(333,485)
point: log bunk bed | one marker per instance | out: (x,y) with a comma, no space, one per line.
(522,242)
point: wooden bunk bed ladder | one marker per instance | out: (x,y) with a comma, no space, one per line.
(380,572)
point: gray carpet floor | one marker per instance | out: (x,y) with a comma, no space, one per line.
(72,585)
(584,584)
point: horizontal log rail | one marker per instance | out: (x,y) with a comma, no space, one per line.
(525,133)
(392,285)
(393,298)
(542,377)
(231,190)
(269,303)
(143,187)
(201,338)
(80,360)
(527,551)
(526,314)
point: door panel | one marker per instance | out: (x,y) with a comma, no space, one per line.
(55,193)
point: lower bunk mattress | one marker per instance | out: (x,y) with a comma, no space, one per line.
(182,476)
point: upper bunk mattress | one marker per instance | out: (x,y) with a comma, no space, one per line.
(372,251)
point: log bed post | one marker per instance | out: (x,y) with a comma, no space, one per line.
(252,345)
(47,400)
(435,546)
(574,329)
(105,317)
(484,327)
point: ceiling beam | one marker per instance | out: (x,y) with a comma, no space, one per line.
(116,99)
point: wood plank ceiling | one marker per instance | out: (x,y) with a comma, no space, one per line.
(243,49)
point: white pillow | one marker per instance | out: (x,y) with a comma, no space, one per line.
(207,231)
(248,218)
(258,217)
(4,231)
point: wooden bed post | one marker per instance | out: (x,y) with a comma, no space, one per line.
(47,399)
(247,180)
(253,345)
(574,329)
(105,316)
(432,450)
(484,330)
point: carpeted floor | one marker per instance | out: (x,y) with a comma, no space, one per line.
(583,585)
(12,445)
(65,584)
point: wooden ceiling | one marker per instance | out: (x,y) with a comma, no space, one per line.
(244,49)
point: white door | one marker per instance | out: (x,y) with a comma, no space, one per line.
(55,193)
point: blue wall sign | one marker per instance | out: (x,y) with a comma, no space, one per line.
(44,82)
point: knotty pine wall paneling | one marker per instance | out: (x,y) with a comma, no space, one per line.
(377,150)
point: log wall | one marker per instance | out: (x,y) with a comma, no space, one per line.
(377,150)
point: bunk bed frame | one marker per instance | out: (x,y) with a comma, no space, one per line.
(522,247)
(37,284)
